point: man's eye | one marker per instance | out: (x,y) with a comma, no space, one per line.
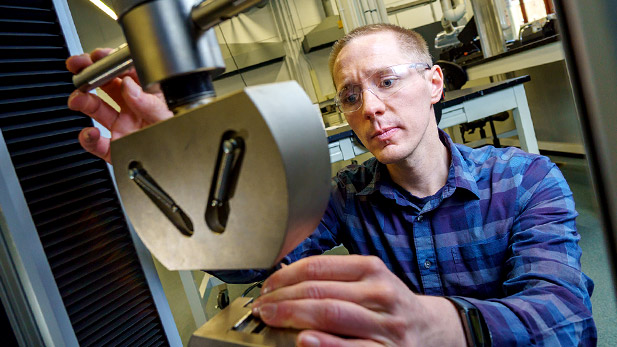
(351,99)
(387,83)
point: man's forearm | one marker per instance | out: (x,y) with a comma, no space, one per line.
(530,320)
(447,328)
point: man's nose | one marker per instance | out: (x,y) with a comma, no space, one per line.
(372,105)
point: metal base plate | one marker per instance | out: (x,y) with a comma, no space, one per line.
(235,326)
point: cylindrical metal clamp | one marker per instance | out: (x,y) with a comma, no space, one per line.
(165,43)
(104,70)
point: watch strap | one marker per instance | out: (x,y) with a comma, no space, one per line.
(476,331)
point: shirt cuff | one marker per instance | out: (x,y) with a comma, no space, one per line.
(505,328)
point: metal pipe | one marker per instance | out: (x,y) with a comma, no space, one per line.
(372,11)
(489,29)
(106,69)
(453,14)
(327,7)
(523,11)
(410,5)
(366,12)
(212,12)
(342,11)
(183,45)
(164,42)
(375,11)
(548,4)
(382,11)
(285,25)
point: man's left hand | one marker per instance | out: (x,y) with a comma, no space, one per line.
(355,301)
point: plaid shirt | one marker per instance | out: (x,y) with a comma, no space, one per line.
(501,234)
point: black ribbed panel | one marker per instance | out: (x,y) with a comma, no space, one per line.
(69,192)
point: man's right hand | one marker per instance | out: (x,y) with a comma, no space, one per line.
(137,108)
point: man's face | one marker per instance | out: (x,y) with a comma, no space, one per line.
(394,127)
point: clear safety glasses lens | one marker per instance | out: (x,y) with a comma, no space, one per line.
(382,84)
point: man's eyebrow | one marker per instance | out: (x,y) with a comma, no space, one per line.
(346,83)
(380,71)
(344,87)
(365,74)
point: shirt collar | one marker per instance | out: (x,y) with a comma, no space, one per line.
(459,174)
(378,169)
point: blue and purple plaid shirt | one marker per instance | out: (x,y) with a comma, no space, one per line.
(501,234)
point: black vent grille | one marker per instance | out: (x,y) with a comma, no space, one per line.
(69,192)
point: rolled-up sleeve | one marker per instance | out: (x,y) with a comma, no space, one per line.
(547,297)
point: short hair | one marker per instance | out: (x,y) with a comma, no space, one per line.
(410,41)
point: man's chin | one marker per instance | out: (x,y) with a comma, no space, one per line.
(388,156)
(387,161)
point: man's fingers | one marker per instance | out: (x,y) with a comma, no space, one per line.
(94,107)
(146,106)
(77,63)
(372,296)
(325,268)
(113,89)
(100,53)
(311,338)
(330,316)
(92,141)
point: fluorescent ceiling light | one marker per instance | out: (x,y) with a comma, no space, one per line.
(104,8)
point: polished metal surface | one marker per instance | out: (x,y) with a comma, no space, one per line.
(184,44)
(165,43)
(122,6)
(489,29)
(160,198)
(212,12)
(275,199)
(106,69)
(235,326)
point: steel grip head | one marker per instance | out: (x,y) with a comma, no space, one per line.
(249,173)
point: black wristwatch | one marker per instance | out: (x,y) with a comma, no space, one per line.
(476,331)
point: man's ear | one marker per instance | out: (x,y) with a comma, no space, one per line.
(436,80)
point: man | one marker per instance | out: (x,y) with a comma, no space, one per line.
(436,227)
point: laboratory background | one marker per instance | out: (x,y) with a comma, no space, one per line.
(74,272)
